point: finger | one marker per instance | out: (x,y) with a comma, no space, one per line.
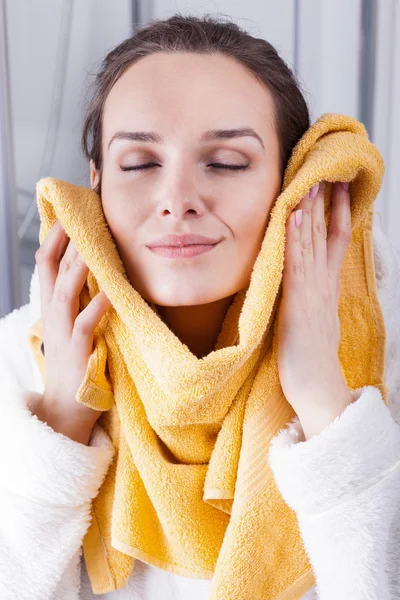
(306,238)
(340,232)
(319,235)
(293,272)
(47,259)
(86,322)
(72,275)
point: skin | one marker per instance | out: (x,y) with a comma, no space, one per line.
(308,320)
(182,193)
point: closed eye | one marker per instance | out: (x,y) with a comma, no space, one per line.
(215,165)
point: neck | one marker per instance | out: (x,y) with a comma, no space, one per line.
(198,326)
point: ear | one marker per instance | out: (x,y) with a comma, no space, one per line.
(94,175)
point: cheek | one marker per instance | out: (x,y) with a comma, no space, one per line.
(123,210)
(250,220)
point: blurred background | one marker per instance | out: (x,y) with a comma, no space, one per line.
(345,53)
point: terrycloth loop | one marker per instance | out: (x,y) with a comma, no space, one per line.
(190,489)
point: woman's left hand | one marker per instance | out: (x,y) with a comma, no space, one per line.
(308,321)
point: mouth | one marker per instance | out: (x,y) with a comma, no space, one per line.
(182,251)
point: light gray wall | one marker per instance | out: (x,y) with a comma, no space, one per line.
(34,40)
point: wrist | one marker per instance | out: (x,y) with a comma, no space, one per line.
(315,421)
(78,431)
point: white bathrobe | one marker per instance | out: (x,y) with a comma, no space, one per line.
(343,483)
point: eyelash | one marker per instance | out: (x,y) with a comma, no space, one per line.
(220,166)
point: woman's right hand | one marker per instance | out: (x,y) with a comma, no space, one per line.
(68,333)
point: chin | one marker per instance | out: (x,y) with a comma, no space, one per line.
(183,296)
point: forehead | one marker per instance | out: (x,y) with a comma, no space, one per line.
(187,92)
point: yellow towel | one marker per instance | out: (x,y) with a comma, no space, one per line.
(190,489)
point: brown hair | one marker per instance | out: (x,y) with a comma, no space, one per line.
(202,35)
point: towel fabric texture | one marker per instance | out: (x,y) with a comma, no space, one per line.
(190,489)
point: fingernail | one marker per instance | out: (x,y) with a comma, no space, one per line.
(298,217)
(345,185)
(313,191)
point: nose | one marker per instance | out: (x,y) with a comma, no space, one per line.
(180,193)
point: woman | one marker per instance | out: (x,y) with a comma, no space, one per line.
(179,179)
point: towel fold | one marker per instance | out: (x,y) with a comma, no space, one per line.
(190,489)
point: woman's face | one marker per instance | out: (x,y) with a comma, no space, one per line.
(180,97)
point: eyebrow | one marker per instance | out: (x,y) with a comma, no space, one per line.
(210,135)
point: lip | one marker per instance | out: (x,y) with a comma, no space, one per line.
(179,241)
(182,251)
